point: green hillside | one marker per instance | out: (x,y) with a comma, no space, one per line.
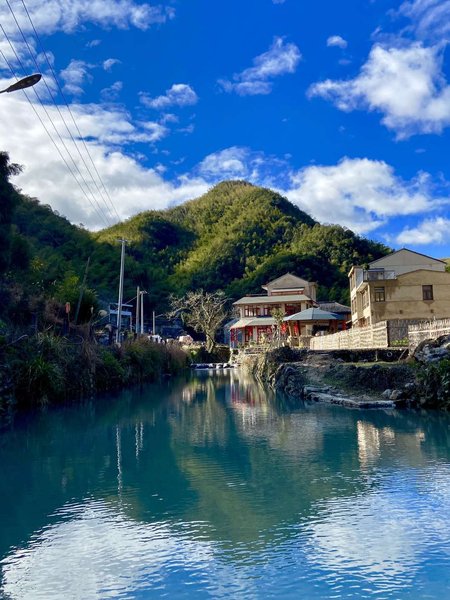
(236,237)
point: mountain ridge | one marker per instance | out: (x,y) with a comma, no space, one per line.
(236,237)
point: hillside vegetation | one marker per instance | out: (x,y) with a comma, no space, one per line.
(236,237)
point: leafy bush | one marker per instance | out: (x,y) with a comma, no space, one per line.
(434,380)
(47,368)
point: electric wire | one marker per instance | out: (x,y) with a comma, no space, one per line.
(46,129)
(105,219)
(42,50)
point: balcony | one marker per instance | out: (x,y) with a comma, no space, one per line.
(373,275)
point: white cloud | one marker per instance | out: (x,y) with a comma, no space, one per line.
(360,194)
(238,162)
(109,63)
(230,163)
(430,18)
(132,186)
(180,94)
(430,231)
(336,40)
(75,76)
(156,130)
(60,15)
(112,92)
(281,58)
(405,84)
(69,15)
(188,129)
(169,118)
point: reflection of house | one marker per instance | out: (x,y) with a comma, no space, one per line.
(402,285)
(289,293)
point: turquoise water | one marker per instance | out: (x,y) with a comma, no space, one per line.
(209,487)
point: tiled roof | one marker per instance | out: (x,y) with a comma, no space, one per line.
(272,299)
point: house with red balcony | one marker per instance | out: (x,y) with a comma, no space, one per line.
(289,294)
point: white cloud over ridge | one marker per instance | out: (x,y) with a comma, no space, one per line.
(361,194)
(429,231)
(405,84)
(107,133)
(358,193)
(280,59)
(239,162)
(180,94)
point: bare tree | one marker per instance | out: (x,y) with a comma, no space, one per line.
(203,311)
(278,314)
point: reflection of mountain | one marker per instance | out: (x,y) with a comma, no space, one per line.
(217,456)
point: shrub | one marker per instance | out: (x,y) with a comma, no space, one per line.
(434,380)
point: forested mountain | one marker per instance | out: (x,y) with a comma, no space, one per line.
(236,237)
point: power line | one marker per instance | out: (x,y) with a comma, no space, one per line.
(42,49)
(61,115)
(48,132)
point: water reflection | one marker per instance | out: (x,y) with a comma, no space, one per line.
(211,486)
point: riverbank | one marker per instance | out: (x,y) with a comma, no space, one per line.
(48,369)
(357,380)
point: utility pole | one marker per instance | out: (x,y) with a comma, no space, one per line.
(154,322)
(83,285)
(138,300)
(119,304)
(142,311)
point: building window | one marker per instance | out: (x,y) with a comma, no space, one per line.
(379,294)
(251,311)
(427,292)
(365,299)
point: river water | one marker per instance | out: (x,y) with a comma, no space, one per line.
(211,487)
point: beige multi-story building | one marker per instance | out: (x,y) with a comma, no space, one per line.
(402,285)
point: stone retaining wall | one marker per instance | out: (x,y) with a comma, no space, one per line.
(427,330)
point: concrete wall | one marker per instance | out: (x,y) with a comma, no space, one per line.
(368,338)
(404,298)
(405,261)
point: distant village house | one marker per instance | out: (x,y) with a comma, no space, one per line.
(294,297)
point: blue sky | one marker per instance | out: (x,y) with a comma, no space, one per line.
(342,107)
